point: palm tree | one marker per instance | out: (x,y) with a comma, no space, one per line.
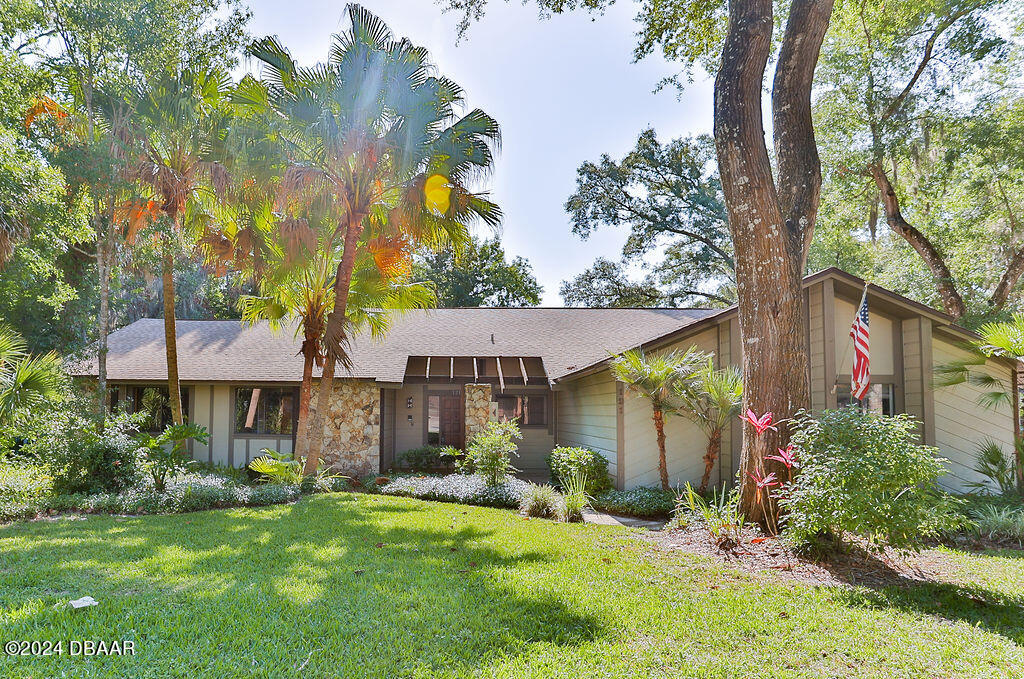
(179,126)
(25,380)
(375,134)
(303,296)
(711,398)
(655,378)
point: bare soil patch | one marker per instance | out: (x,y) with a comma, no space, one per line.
(854,565)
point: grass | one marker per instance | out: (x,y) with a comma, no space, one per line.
(360,585)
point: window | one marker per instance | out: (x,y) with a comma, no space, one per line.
(885,393)
(531,411)
(151,399)
(266,410)
(433,420)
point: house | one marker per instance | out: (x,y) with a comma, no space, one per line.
(440,375)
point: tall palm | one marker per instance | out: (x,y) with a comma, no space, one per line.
(303,296)
(711,398)
(179,126)
(655,378)
(25,380)
(375,132)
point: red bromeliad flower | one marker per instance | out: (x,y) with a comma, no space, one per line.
(760,424)
(786,456)
(764,481)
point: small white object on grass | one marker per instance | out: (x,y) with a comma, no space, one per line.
(83,602)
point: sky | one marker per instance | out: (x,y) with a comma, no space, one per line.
(564,90)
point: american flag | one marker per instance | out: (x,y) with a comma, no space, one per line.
(860,378)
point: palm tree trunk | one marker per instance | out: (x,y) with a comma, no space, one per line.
(305,395)
(334,341)
(713,450)
(659,426)
(171,337)
(103,322)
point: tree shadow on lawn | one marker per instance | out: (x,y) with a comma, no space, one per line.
(880,585)
(349,587)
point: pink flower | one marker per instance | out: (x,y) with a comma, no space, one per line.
(786,456)
(764,481)
(760,424)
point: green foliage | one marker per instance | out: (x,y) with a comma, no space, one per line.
(656,376)
(478,275)
(721,514)
(998,522)
(574,495)
(672,203)
(641,502)
(489,453)
(565,461)
(83,459)
(23,487)
(26,382)
(275,467)
(424,459)
(865,474)
(165,455)
(997,467)
(541,501)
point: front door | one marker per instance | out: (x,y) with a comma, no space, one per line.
(452,421)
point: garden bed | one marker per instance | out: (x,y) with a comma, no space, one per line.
(469,489)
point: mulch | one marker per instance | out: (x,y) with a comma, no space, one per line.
(854,565)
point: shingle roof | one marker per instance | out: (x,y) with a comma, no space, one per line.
(566,340)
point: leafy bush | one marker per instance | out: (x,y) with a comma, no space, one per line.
(865,474)
(642,502)
(23,488)
(461,488)
(165,453)
(541,501)
(490,452)
(425,459)
(721,514)
(84,460)
(275,467)
(564,462)
(998,522)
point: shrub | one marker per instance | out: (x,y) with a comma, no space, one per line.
(461,488)
(23,489)
(275,467)
(576,499)
(424,459)
(998,522)
(165,454)
(490,452)
(864,474)
(993,464)
(541,501)
(85,461)
(642,502)
(564,462)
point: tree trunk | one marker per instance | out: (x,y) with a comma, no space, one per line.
(771,228)
(171,337)
(952,302)
(659,427)
(1008,280)
(713,450)
(334,340)
(305,395)
(103,322)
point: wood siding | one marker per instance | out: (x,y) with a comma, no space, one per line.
(586,416)
(962,424)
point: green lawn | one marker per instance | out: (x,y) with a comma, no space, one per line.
(358,585)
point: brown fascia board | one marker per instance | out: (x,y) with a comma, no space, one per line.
(944,320)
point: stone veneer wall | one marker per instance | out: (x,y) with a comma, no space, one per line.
(479,409)
(352,427)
